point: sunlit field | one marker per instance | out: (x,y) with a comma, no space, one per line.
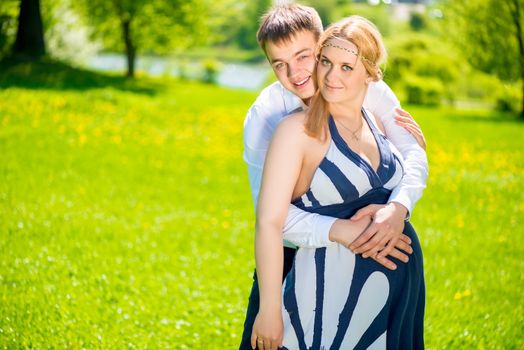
(126,219)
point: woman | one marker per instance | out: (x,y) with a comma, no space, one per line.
(333,160)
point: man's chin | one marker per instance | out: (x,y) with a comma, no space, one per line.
(303,94)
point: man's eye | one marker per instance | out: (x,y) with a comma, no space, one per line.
(347,68)
(303,57)
(278,66)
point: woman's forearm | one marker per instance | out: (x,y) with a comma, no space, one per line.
(269,261)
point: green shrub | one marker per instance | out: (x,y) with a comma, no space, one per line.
(423,90)
(417,21)
(211,70)
(424,68)
(509,98)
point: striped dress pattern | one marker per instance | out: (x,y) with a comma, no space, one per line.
(334,299)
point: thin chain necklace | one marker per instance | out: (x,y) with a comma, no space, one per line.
(353,133)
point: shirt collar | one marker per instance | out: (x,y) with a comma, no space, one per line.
(292,102)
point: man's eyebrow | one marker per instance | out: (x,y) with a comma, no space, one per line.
(302,51)
(272,61)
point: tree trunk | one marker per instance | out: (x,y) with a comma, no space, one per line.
(30,34)
(520,40)
(521,47)
(130,48)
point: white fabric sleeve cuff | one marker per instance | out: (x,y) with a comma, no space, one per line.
(402,197)
(307,230)
(321,230)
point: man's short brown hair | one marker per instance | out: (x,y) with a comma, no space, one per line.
(281,22)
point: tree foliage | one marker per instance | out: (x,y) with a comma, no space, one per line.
(490,33)
(146,26)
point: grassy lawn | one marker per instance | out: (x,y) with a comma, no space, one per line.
(126,219)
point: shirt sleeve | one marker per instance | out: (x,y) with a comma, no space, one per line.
(301,228)
(381,101)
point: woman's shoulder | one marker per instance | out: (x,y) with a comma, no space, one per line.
(292,129)
(294,122)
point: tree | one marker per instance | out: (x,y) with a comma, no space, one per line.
(29,40)
(247,30)
(148,26)
(491,35)
(9,11)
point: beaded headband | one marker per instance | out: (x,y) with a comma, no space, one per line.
(348,50)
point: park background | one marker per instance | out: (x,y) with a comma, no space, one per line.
(126,219)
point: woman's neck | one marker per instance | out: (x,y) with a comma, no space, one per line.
(348,112)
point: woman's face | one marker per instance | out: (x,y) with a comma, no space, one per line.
(341,75)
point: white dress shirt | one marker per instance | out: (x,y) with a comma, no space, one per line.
(306,229)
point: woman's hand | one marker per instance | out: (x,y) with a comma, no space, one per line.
(268,331)
(405,120)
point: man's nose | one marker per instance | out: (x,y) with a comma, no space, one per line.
(292,69)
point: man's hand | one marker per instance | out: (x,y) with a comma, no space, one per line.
(405,120)
(403,245)
(345,232)
(268,331)
(382,235)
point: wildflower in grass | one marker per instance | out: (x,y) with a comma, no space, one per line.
(58,102)
(461,295)
(82,139)
(116,139)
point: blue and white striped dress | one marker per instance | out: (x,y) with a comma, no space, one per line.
(334,299)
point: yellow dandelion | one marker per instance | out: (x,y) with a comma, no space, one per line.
(457,296)
(82,139)
(116,139)
(59,102)
(466,293)
(62,129)
(97,132)
(460,221)
(159,140)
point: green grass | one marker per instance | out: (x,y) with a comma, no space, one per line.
(126,219)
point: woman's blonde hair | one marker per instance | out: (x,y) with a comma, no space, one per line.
(371,52)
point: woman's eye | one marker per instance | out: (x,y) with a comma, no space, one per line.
(347,68)
(278,66)
(325,62)
(303,57)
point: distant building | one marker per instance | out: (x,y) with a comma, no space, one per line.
(401,9)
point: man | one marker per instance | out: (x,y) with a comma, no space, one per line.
(288,35)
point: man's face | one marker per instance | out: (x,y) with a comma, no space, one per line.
(293,62)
